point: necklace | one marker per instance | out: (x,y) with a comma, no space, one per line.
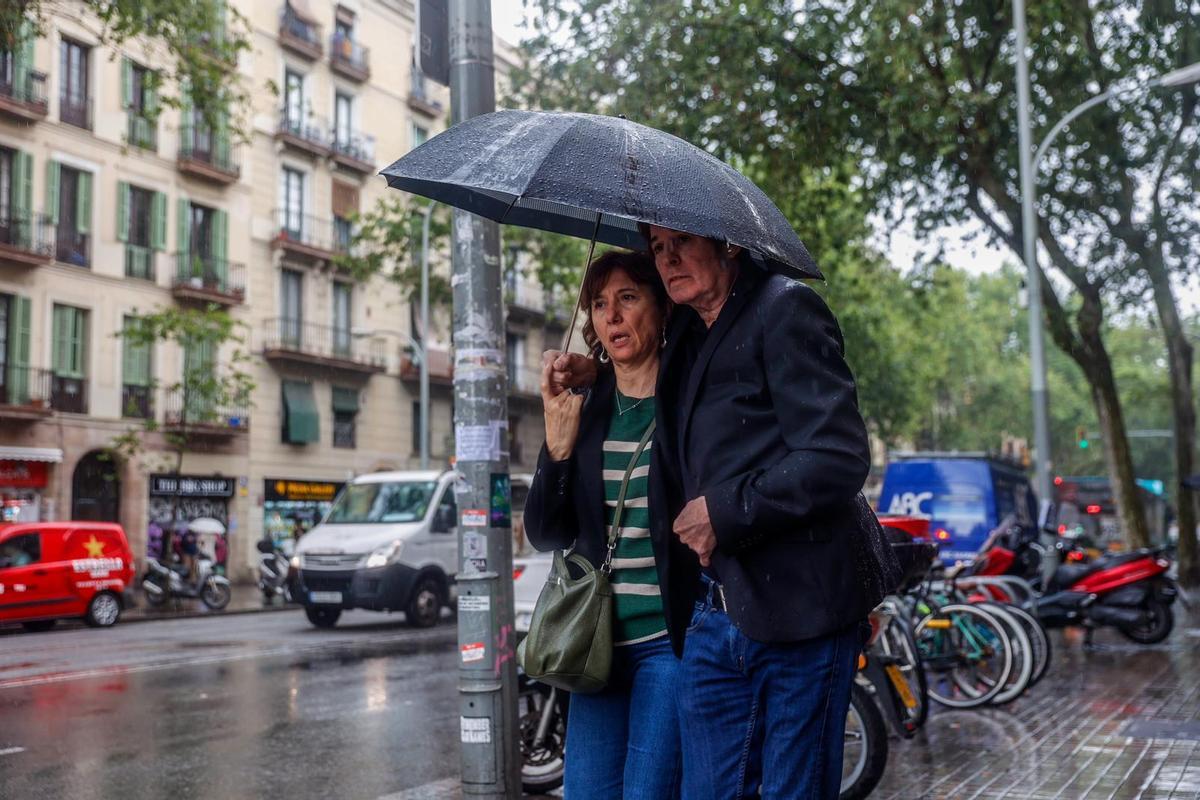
(623,411)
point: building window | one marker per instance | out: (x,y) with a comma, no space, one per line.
(515,358)
(203,236)
(345,412)
(73,99)
(141,218)
(139,98)
(69,196)
(135,376)
(293,97)
(292,198)
(341,318)
(291,306)
(420,136)
(343,111)
(70,345)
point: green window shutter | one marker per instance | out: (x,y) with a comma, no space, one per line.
(23,57)
(220,244)
(187,131)
(22,199)
(301,422)
(83,203)
(122,211)
(74,336)
(345,400)
(221,139)
(183,226)
(62,340)
(53,171)
(158,222)
(150,96)
(135,361)
(19,337)
(126,83)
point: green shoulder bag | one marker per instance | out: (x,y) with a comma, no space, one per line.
(570,645)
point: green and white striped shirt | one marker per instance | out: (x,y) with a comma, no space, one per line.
(637,600)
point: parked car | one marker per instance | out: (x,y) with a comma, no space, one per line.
(964,497)
(57,570)
(388,543)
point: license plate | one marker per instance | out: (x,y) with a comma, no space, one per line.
(325,597)
(897,677)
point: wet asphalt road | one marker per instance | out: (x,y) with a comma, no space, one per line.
(247,706)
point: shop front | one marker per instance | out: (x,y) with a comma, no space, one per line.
(24,478)
(292,507)
(190,512)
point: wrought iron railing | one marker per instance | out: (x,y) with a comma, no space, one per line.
(31,91)
(308,231)
(137,402)
(72,247)
(355,145)
(25,386)
(141,262)
(322,341)
(306,127)
(69,394)
(208,148)
(197,271)
(75,111)
(142,132)
(33,233)
(292,26)
(345,51)
(185,408)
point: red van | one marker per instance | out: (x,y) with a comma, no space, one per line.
(51,570)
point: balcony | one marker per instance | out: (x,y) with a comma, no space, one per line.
(307,238)
(307,133)
(206,279)
(205,156)
(76,111)
(26,99)
(69,394)
(199,417)
(419,98)
(142,133)
(72,247)
(141,262)
(299,35)
(297,342)
(354,152)
(27,240)
(24,393)
(137,402)
(349,58)
(524,383)
(441,368)
(524,302)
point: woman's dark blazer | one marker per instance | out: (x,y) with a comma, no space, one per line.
(565,509)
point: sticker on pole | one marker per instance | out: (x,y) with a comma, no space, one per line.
(476,443)
(474,651)
(474,602)
(475,518)
(475,730)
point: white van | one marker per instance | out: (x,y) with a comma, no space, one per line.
(388,543)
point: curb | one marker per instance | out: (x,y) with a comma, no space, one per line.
(140,614)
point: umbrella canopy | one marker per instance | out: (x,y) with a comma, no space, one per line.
(591,176)
(206,525)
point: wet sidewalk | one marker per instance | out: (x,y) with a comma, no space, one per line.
(1111,722)
(245,599)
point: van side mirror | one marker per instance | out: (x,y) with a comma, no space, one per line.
(443,519)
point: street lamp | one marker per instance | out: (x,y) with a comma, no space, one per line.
(1030,159)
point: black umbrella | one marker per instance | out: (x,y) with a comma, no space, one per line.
(597,177)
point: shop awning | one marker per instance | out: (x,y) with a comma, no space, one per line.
(52,455)
(345,400)
(301,423)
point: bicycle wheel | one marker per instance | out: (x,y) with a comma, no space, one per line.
(900,647)
(864,747)
(1022,671)
(1037,638)
(966,654)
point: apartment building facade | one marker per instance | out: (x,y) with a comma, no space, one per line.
(105,214)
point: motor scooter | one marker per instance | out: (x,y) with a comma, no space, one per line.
(163,582)
(273,576)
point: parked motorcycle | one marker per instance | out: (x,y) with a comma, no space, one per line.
(542,720)
(163,582)
(273,578)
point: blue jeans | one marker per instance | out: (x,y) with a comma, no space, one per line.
(766,718)
(623,742)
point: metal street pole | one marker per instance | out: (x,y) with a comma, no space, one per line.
(1037,346)
(487,669)
(423,428)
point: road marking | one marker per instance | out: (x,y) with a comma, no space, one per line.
(11,751)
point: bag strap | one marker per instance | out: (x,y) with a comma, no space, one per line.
(614,533)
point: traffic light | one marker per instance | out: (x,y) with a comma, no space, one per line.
(1081,437)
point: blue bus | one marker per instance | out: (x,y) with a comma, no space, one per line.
(964,497)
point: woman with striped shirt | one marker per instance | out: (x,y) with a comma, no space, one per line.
(624,740)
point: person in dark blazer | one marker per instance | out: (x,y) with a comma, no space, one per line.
(763,456)
(625,739)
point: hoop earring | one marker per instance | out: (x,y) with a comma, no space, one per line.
(603,357)
(664,336)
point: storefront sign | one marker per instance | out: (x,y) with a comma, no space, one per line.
(23,474)
(190,486)
(276,489)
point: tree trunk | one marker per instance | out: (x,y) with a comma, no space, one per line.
(1117,454)
(1183,409)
